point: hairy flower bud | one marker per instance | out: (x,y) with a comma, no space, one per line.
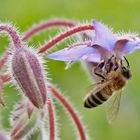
(28,73)
(22,123)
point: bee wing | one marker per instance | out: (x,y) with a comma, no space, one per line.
(98,86)
(94,86)
(113,106)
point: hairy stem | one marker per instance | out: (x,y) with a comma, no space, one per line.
(65,35)
(4,59)
(40,27)
(45,25)
(69,108)
(13,34)
(51,119)
(36,29)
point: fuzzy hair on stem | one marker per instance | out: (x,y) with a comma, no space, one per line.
(13,33)
(64,35)
(46,25)
(38,28)
(71,110)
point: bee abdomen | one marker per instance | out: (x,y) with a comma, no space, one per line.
(102,96)
(89,103)
(95,99)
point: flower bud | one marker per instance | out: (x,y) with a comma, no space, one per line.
(22,123)
(28,74)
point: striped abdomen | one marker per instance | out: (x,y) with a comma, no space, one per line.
(95,99)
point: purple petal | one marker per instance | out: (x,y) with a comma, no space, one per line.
(103,36)
(77,53)
(130,47)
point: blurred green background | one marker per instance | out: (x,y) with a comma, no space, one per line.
(122,15)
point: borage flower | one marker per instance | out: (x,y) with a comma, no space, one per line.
(103,54)
(103,45)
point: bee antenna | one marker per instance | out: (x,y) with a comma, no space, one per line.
(127,62)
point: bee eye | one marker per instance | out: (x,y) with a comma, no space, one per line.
(126,72)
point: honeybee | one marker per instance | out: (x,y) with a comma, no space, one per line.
(114,77)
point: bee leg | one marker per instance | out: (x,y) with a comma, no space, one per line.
(98,70)
(116,65)
(101,76)
(109,64)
